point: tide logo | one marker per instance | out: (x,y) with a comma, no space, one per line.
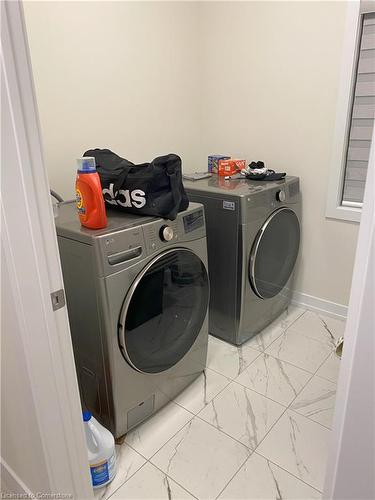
(124,197)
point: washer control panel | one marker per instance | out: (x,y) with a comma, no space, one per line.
(186,227)
(159,234)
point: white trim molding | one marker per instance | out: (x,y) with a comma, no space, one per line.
(319,305)
(334,208)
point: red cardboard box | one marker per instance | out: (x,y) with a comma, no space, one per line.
(231,167)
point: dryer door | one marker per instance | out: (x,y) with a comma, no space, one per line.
(274,253)
(164,311)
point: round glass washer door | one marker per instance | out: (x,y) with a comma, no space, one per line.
(274,253)
(164,311)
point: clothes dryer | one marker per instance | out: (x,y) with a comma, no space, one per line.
(253,235)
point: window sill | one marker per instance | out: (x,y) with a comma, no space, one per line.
(350,214)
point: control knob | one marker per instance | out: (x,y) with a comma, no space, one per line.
(166,233)
(280,195)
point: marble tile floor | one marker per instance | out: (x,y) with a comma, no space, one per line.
(256,425)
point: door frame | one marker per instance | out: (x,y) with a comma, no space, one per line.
(30,250)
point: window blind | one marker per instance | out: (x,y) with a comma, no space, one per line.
(362,116)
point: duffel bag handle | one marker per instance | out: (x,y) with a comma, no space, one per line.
(119,183)
(175,188)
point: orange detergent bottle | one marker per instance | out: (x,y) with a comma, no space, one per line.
(89,197)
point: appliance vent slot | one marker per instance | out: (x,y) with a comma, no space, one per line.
(141,412)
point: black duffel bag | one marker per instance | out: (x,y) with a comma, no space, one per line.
(149,189)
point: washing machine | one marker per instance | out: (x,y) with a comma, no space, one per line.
(253,235)
(137,295)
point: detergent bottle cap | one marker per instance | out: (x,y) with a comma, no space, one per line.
(86,164)
(86,415)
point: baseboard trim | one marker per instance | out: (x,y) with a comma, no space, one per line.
(11,483)
(319,305)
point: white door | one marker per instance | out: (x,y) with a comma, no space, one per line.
(351,466)
(43,445)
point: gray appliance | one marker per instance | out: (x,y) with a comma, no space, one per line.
(253,236)
(137,295)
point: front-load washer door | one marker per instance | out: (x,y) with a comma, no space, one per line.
(164,311)
(274,253)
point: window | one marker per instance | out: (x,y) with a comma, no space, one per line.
(362,116)
(355,116)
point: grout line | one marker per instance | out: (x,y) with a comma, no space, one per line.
(221,390)
(149,419)
(292,364)
(283,361)
(325,379)
(295,366)
(260,394)
(172,479)
(245,368)
(122,484)
(283,330)
(132,447)
(226,434)
(331,335)
(285,470)
(234,475)
(148,460)
(311,420)
(186,423)
(156,467)
(131,475)
(183,427)
(183,407)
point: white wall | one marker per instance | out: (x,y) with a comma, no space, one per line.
(252,79)
(270,87)
(121,75)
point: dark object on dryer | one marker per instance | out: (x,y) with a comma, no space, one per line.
(270,175)
(147,189)
(257,171)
